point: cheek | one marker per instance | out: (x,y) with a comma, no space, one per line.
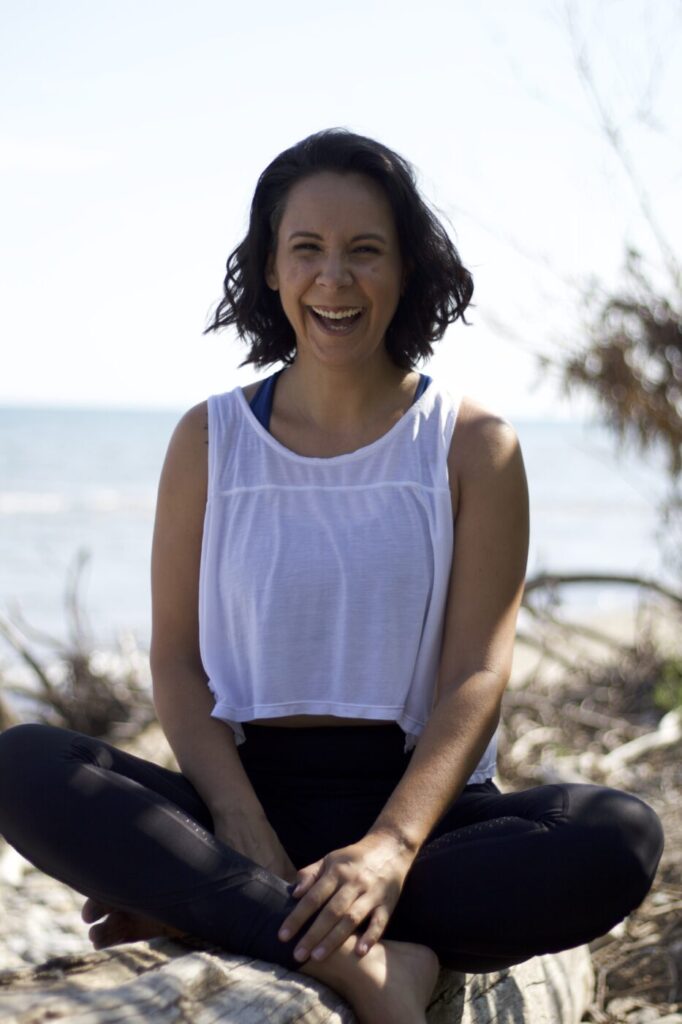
(386,284)
(387,290)
(294,280)
(292,289)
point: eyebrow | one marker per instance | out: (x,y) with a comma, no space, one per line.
(356,238)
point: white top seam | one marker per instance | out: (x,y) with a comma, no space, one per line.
(411,484)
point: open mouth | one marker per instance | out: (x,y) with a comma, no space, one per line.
(336,321)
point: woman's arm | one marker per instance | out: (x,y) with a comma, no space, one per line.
(205,748)
(486,586)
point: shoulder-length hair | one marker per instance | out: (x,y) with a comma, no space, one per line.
(438,287)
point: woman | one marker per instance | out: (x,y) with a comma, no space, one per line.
(328,664)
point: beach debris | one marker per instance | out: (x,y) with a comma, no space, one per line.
(72,682)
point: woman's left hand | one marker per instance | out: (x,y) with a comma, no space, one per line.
(356,882)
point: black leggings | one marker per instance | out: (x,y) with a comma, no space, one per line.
(501,878)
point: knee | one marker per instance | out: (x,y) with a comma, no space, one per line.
(642,839)
(22,747)
(627,842)
(16,742)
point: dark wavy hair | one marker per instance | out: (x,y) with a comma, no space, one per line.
(438,287)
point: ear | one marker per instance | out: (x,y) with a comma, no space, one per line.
(271,278)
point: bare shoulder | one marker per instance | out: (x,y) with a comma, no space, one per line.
(193,424)
(186,462)
(190,435)
(483,442)
(485,455)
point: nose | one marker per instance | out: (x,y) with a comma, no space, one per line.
(334,271)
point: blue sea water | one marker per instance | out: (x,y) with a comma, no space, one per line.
(86,479)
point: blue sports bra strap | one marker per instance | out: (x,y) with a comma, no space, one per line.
(261,403)
(423,384)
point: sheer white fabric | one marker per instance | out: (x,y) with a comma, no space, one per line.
(324,580)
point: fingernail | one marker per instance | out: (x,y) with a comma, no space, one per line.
(363,947)
(319,953)
(285,934)
(301,953)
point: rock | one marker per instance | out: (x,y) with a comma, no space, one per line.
(163,981)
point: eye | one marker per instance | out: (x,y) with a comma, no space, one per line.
(366,248)
(305,245)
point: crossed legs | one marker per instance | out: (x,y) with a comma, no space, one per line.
(502,878)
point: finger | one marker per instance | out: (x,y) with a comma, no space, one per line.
(304,884)
(307,905)
(307,876)
(350,922)
(373,932)
(335,922)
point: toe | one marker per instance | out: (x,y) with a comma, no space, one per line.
(97,935)
(93,911)
(114,930)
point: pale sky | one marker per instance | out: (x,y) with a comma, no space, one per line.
(132,133)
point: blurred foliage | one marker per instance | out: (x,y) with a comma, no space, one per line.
(631,362)
(72,683)
(668,689)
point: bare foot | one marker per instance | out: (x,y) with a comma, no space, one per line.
(392,984)
(121,926)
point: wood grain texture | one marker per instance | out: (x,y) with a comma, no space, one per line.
(162,981)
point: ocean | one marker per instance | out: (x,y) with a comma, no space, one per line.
(75,480)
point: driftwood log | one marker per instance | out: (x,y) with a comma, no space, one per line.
(163,981)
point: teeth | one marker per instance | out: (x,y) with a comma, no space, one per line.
(336,316)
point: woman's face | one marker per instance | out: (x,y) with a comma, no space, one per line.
(337,266)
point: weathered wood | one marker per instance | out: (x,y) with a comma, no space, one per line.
(162,981)
(551,989)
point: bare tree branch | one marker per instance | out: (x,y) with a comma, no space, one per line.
(552,580)
(614,136)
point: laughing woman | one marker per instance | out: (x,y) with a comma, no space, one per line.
(328,654)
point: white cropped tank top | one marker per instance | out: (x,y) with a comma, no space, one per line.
(323,581)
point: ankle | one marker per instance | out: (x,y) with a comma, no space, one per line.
(343,969)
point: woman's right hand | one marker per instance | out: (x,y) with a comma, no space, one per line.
(255,837)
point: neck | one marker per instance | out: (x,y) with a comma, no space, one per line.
(341,400)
